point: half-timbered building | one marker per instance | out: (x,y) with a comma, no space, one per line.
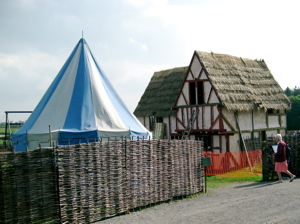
(218,98)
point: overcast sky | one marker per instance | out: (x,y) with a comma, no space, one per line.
(131,39)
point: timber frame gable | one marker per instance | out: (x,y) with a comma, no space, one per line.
(198,93)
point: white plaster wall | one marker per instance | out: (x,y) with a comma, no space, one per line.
(260,120)
(226,127)
(283,121)
(223,143)
(180,100)
(190,76)
(274,121)
(185,91)
(196,67)
(179,114)
(188,114)
(207,88)
(147,122)
(203,76)
(216,141)
(200,118)
(216,112)
(207,120)
(245,120)
(141,119)
(213,98)
(234,144)
(230,117)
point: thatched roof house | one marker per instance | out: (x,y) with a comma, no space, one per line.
(233,96)
(241,84)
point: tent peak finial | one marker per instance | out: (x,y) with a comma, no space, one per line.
(82,34)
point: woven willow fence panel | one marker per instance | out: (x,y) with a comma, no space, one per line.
(28,187)
(104,179)
(268,157)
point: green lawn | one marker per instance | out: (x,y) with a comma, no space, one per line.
(216,181)
(13,130)
(2,133)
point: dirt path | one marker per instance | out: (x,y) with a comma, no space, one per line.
(257,203)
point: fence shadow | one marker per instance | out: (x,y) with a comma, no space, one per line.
(256,184)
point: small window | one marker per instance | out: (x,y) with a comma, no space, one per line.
(200,92)
(263,136)
(273,111)
(207,143)
(192,87)
(159,120)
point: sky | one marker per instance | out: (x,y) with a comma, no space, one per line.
(131,39)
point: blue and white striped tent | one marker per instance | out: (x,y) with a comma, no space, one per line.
(80,106)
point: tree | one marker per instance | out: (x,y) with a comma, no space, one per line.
(293,115)
(296,91)
(288,91)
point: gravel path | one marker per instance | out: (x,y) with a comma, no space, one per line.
(264,202)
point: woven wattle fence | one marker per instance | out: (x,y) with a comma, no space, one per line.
(89,182)
(28,187)
(104,179)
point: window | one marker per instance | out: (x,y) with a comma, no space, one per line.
(192,86)
(196,93)
(273,111)
(263,136)
(159,120)
(207,143)
(200,92)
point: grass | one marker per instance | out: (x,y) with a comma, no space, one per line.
(234,177)
(13,130)
(216,181)
(2,133)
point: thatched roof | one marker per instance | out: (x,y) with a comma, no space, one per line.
(161,93)
(242,84)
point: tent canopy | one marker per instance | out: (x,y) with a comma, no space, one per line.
(80,106)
